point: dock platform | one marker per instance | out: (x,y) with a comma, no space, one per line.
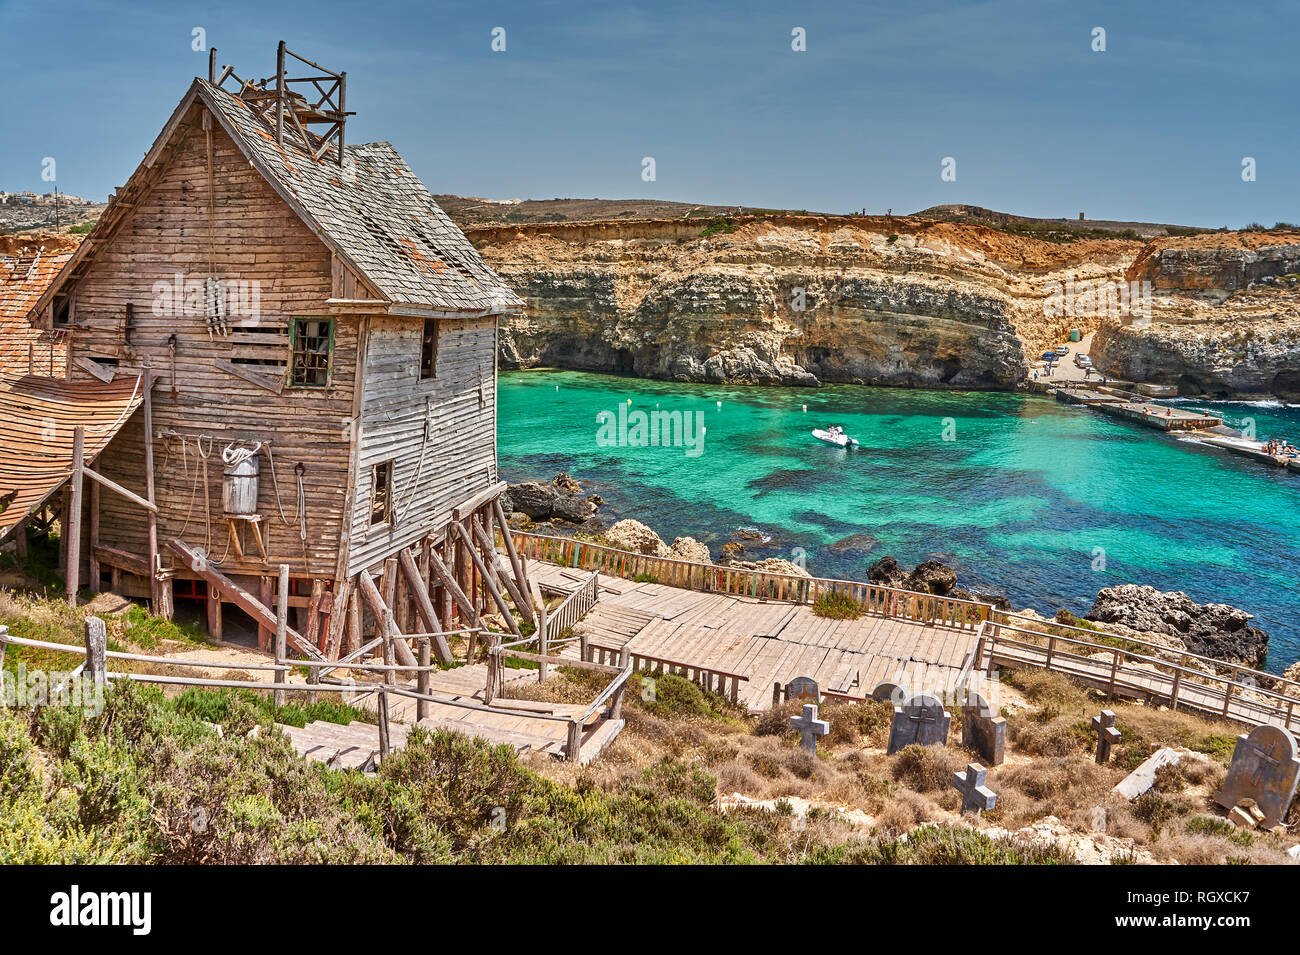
(1161,417)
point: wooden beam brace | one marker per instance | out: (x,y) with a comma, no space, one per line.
(241,598)
(488,579)
(525,606)
(370,593)
(467,608)
(118,489)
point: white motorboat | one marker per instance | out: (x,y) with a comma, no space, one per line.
(835,435)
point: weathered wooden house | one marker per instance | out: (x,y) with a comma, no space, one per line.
(312,346)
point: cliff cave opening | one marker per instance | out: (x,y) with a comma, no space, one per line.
(624,362)
(1286,385)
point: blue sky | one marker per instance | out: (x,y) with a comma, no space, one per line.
(1155,128)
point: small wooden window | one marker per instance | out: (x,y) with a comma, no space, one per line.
(311,344)
(429,349)
(381,493)
(62,310)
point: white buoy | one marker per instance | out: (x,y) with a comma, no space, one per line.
(629,401)
(805,409)
(719,404)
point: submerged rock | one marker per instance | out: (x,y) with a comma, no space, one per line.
(1214,630)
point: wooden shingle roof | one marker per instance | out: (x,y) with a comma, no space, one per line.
(374,211)
(27,266)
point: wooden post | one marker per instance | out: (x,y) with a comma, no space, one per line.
(160,603)
(354,639)
(490,685)
(1227,696)
(616,705)
(1178,682)
(383,616)
(504,525)
(338,619)
(422,680)
(20,542)
(281,630)
(4,632)
(73,530)
(93,582)
(574,750)
(264,633)
(214,611)
(383,723)
(1051,648)
(96,648)
(1114,670)
(468,612)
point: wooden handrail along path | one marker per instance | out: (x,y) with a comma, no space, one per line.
(761,585)
(1140,669)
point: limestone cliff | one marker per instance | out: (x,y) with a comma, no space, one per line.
(791,299)
(1225,317)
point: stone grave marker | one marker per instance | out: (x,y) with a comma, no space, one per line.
(983,730)
(921,719)
(803,688)
(809,727)
(1144,777)
(1264,768)
(893,692)
(1107,734)
(975,796)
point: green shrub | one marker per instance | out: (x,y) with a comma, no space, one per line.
(837,605)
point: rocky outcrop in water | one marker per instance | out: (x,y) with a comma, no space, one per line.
(1214,630)
(789,300)
(559,500)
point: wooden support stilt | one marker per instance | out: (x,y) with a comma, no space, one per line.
(423,604)
(422,680)
(311,629)
(214,611)
(160,602)
(353,641)
(93,581)
(490,552)
(487,576)
(338,619)
(73,529)
(20,542)
(265,631)
(467,609)
(281,631)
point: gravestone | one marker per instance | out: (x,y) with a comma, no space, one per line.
(892,692)
(1264,768)
(809,727)
(975,796)
(1107,735)
(803,688)
(1144,777)
(921,719)
(982,730)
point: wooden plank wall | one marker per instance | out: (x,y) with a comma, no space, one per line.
(256,237)
(459,452)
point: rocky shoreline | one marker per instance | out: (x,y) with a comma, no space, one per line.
(1169,619)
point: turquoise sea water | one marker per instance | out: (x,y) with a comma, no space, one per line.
(1024,496)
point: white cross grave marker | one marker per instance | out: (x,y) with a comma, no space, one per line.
(809,727)
(975,796)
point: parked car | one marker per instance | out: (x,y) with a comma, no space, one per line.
(1061,350)
(1048,356)
(1083,361)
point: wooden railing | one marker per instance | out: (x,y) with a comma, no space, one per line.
(1136,668)
(574,608)
(722,682)
(96,656)
(716,578)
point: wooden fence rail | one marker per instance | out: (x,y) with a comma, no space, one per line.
(715,578)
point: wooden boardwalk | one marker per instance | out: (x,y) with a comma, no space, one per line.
(763,641)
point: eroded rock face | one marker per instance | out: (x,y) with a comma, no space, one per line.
(1215,630)
(789,300)
(1224,319)
(557,500)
